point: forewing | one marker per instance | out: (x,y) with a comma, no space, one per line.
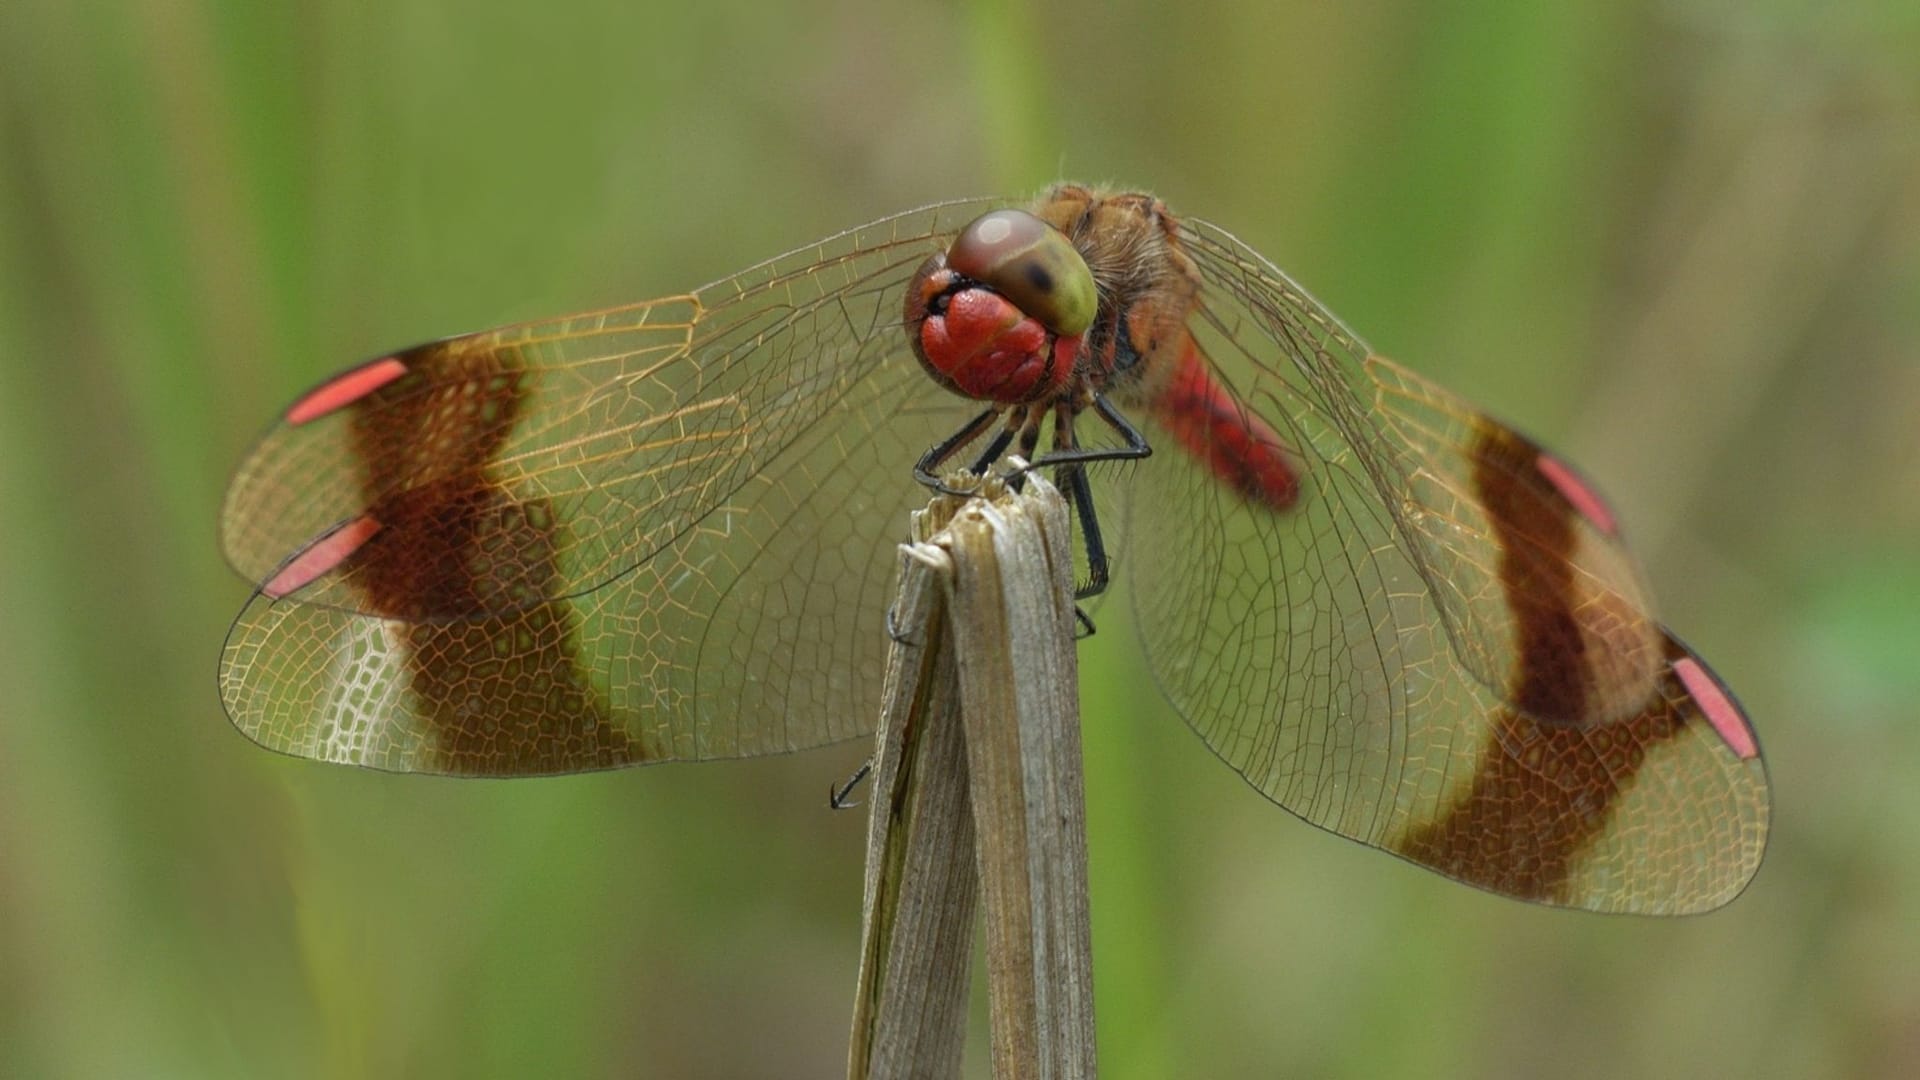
(745,615)
(1441,649)
(414,486)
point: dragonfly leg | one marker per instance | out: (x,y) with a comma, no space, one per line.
(1068,457)
(837,794)
(894,632)
(939,452)
(1136,446)
(993,451)
(1030,434)
(1069,460)
(1073,479)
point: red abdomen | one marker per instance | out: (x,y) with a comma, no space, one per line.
(1224,435)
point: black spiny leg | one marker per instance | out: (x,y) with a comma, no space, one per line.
(992,452)
(1073,478)
(939,452)
(1073,454)
(1069,459)
(1029,438)
(839,795)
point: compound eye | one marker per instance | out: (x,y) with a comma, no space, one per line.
(1032,264)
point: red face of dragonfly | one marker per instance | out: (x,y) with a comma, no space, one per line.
(663,532)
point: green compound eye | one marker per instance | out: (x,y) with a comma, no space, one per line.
(1032,264)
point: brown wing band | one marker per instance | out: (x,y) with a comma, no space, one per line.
(502,694)
(1544,791)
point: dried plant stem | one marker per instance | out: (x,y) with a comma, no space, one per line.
(977,800)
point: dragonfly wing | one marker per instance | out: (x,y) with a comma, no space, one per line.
(410,487)
(1441,649)
(760,630)
(658,533)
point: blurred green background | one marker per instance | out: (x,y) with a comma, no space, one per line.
(1678,240)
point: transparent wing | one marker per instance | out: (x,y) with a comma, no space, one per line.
(674,543)
(625,427)
(1442,649)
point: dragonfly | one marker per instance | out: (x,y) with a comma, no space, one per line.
(665,532)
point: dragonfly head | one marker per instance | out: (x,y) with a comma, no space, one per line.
(1001,314)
